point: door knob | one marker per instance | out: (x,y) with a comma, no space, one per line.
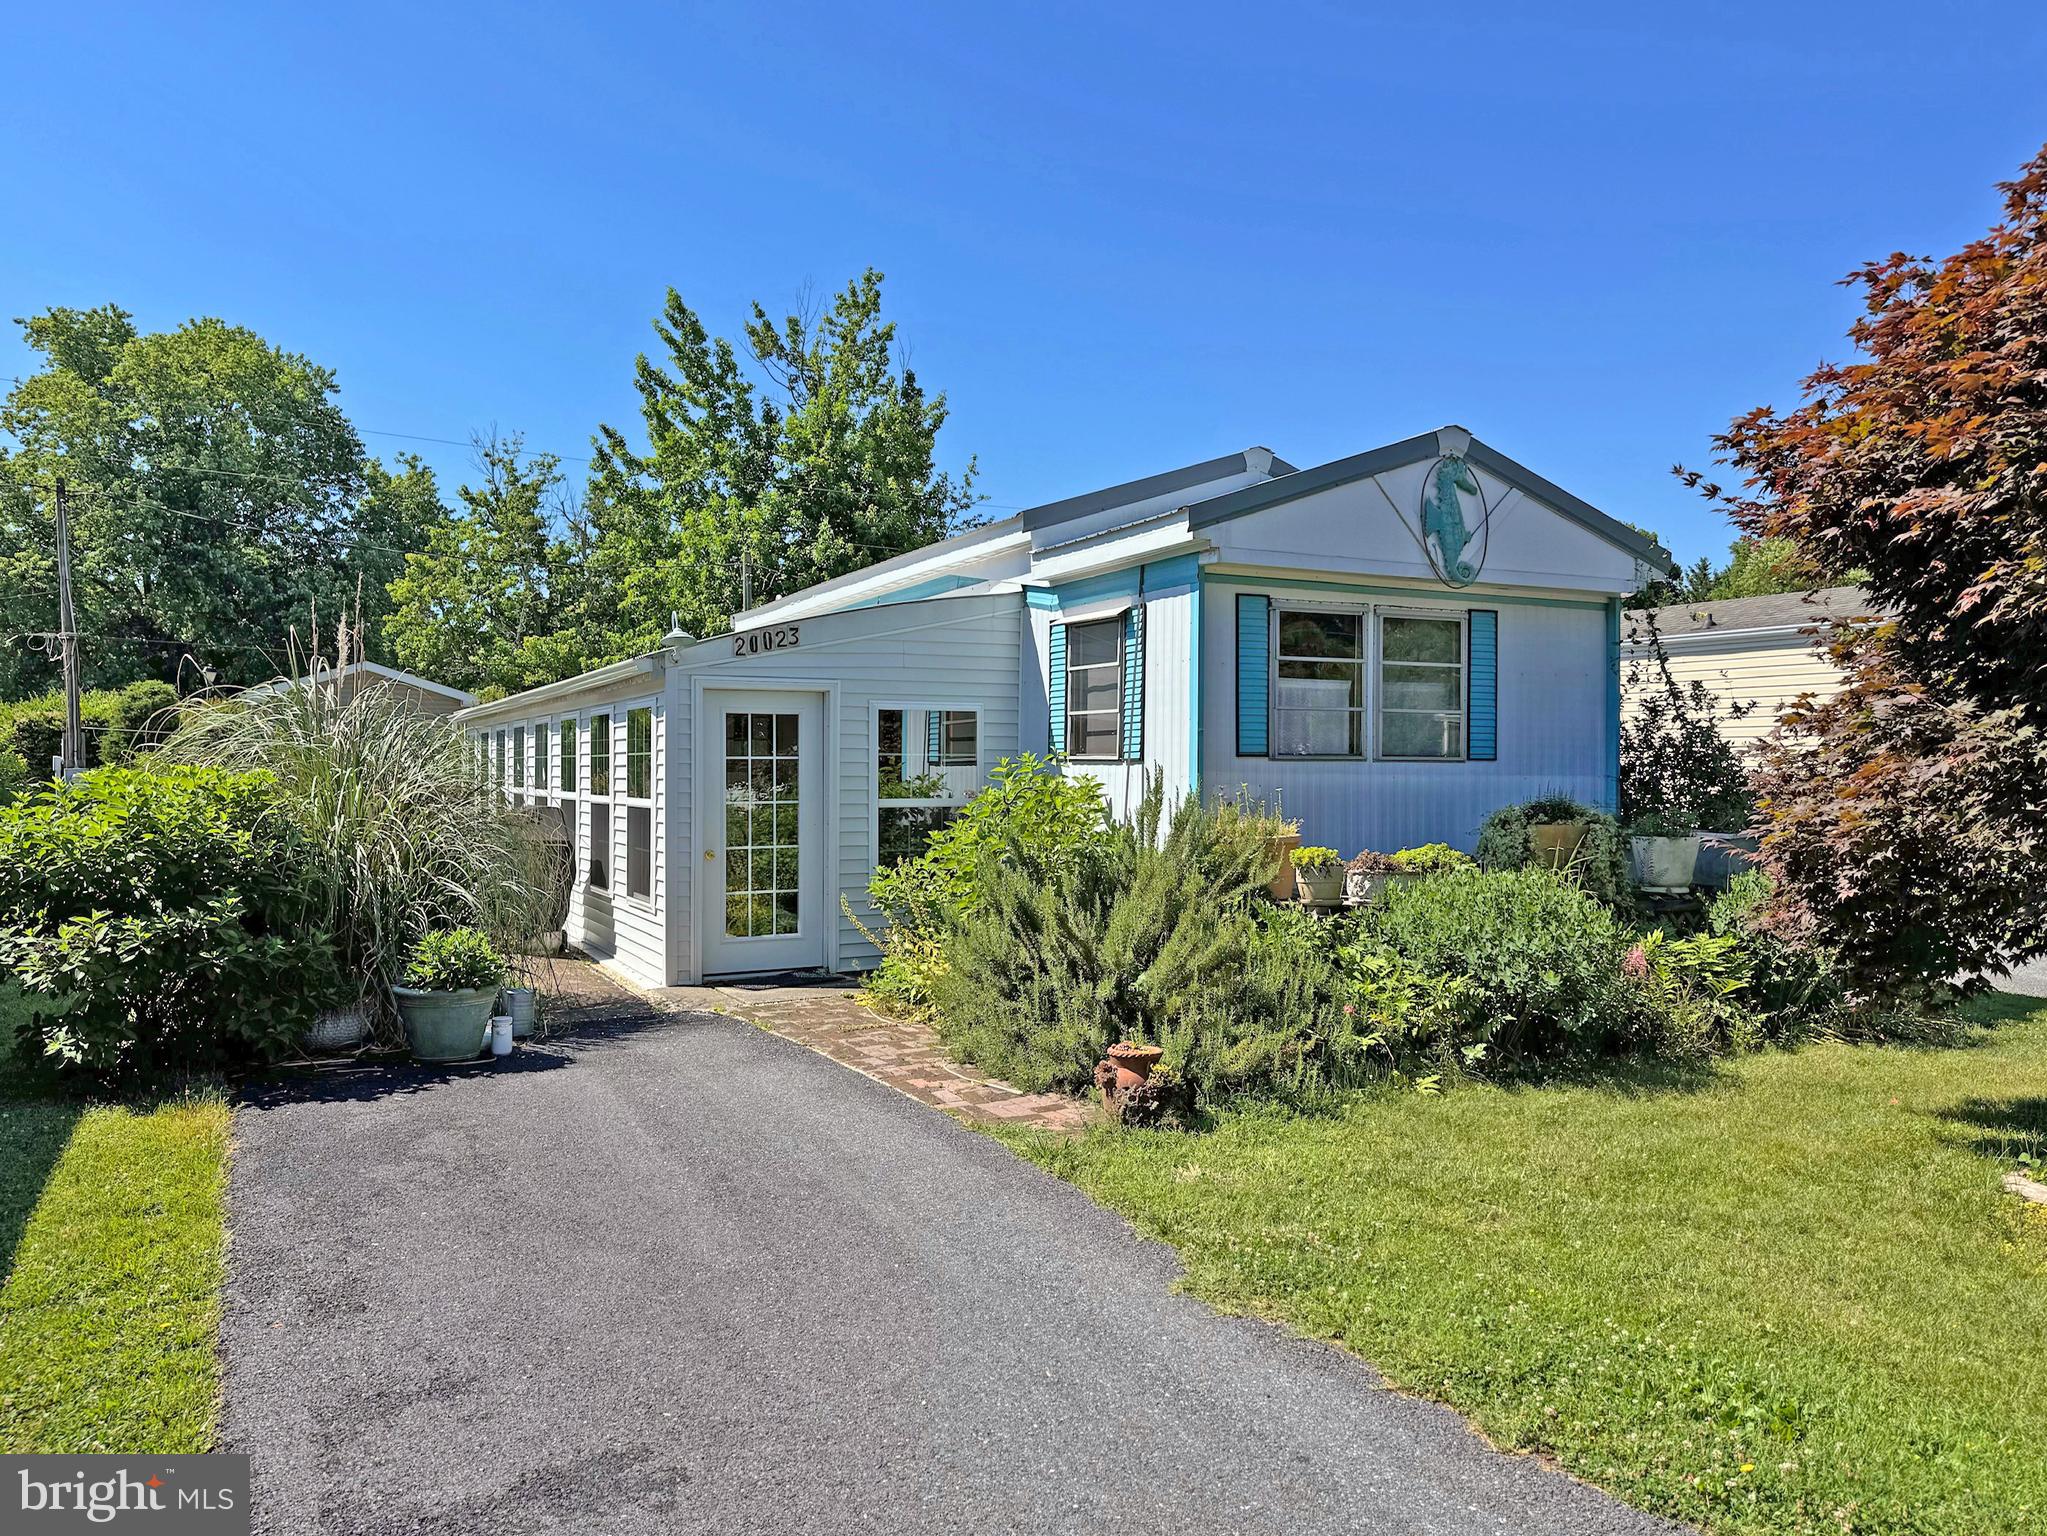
(710,854)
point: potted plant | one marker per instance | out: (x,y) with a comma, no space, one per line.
(1367,877)
(1430,859)
(1556,831)
(1127,1065)
(449,993)
(1320,873)
(1282,853)
(1666,851)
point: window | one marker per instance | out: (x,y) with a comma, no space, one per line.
(501,760)
(600,809)
(568,757)
(763,825)
(1319,692)
(1094,689)
(926,766)
(600,754)
(540,755)
(1421,686)
(639,809)
(958,733)
(518,757)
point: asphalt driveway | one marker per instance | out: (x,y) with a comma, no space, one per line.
(679,1275)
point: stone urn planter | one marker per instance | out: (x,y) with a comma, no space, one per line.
(1370,876)
(446,1026)
(1553,844)
(1666,864)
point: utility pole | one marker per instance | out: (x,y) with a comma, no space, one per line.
(745,581)
(73,757)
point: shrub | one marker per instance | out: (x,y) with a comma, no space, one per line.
(1314,860)
(1053,960)
(1542,957)
(1796,985)
(1679,773)
(120,724)
(160,922)
(1601,864)
(454,960)
(1694,993)
(402,834)
(14,778)
(1429,859)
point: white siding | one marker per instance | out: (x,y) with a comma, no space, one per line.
(960,653)
(1764,670)
(1552,732)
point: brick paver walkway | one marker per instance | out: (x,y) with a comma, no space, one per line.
(829,1018)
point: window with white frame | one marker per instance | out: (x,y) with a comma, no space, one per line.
(500,760)
(518,758)
(541,736)
(565,789)
(1094,689)
(926,766)
(1319,682)
(1421,686)
(567,776)
(599,863)
(639,802)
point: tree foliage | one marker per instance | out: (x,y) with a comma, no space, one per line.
(813,462)
(1908,813)
(217,495)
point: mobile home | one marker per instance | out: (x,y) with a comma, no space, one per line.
(1390,646)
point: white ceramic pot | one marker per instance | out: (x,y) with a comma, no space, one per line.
(1665,863)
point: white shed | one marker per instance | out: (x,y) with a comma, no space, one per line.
(1392,645)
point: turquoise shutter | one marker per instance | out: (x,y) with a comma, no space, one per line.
(1055,686)
(1481,726)
(933,720)
(1133,684)
(1254,670)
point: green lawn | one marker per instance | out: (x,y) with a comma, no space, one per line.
(111,1247)
(1786,1294)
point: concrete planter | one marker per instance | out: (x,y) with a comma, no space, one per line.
(1665,863)
(1282,887)
(1323,888)
(446,1026)
(1361,889)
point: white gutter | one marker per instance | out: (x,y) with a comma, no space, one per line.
(603,677)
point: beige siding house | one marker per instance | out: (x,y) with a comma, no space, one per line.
(1760,651)
(422,693)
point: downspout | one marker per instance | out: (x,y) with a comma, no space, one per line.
(1199,597)
(1613,705)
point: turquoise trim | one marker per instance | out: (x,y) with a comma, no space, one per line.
(1055,688)
(1613,705)
(1199,600)
(1133,684)
(1171,573)
(1087,589)
(1254,673)
(1483,706)
(1226,578)
(935,587)
(1041,597)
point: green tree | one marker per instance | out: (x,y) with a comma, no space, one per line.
(816,461)
(215,490)
(491,603)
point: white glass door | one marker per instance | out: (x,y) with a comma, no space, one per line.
(764,876)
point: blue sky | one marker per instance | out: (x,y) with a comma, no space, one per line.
(1119,238)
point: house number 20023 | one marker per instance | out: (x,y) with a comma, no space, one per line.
(758,642)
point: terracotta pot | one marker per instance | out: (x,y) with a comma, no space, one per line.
(1132,1063)
(1553,844)
(1282,887)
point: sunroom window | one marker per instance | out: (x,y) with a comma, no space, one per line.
(1094,689)
(926,766)
(639,802)
(1319,700)
(1421,687)
(600,802)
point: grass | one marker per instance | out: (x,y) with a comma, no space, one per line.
(1785,1294)
(112,1238)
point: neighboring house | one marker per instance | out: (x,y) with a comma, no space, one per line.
(1762,652)
(423,693)
(1388,647)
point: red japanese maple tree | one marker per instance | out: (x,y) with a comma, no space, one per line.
(1908,815)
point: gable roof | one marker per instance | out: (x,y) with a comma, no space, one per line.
(1744,615)
(326,674)
(1412,450)
(1251,461)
